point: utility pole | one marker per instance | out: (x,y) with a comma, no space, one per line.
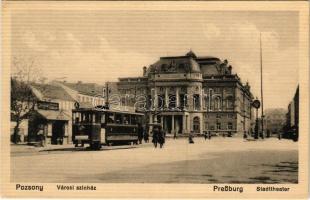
(261,83)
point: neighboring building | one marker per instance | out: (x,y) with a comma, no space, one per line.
(190,93)
(275,120)
(51,116)
(90,94)
(291,128)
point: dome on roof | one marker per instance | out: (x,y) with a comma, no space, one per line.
(181,64)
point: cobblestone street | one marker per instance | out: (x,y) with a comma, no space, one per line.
(219,160)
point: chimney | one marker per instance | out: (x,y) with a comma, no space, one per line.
(247,86)
(144,70)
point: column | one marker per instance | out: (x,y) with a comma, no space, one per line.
(188,126)
(150,118)
(150,121)
(155,98)
(201,97)
(166,97)
(69,131)
(49,133)
(162,121)
(172,124)
(177,98)
(201,124)
(183,124)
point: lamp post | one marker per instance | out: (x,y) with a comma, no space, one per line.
(256,105)
(261,83)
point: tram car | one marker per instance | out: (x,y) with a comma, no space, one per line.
(97,127)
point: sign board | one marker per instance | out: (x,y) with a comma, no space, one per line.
(256,104)
(45,105)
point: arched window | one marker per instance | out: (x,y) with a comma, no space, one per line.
(207,103)
(217,103)
(196,124)
(172,101)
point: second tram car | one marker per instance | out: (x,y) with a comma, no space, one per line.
(98,127)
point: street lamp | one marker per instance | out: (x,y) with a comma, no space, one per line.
(256,105)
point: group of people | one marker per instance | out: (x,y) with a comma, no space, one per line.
(158,135)
(142,134)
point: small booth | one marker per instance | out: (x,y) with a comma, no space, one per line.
(51,126)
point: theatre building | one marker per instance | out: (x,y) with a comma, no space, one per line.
(190,93)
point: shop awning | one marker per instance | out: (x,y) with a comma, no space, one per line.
(54,115)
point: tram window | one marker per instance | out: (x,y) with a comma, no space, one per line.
(133,119)
(83,116)
(86,117)
(118,118)
(97,118)
(126,119)
(110,118)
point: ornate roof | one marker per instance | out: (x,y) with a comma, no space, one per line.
(178,64)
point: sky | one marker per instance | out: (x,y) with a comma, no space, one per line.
(99,46)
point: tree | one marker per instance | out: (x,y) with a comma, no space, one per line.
(24,72)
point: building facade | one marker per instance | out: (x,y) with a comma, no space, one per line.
(274,121)
(190,93)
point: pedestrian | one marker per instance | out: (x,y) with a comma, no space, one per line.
(268,133)
(190,137)
(140,133)
(245,136)
(146,135)
(174,135)
(155,136)
(279,135)
(161,137)
(206,135)
(41,138)
(209,135)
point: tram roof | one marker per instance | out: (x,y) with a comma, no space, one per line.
(104,110)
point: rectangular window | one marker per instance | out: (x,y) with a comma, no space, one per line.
(230,126)
(218,126)
(230,116)
(206,126)
(218,116)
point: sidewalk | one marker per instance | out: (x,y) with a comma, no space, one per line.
(22,148)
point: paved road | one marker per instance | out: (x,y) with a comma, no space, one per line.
(219,160)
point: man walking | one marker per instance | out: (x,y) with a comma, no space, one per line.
(140,133)
(161,137)
(155,136)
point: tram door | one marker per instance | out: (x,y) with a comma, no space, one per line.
(102,130)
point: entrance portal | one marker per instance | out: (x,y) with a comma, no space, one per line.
(196,125)
(174,124)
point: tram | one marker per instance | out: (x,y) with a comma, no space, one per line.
(97,127)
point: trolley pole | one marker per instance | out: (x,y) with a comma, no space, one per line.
(107,95)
